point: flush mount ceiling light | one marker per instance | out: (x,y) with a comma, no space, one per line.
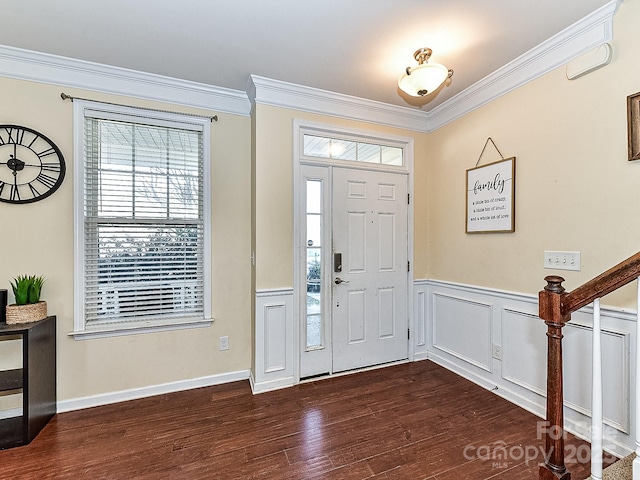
(426,77)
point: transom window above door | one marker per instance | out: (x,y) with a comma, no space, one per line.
(356,151)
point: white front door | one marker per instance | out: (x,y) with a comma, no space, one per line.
(369,301)
(356,255)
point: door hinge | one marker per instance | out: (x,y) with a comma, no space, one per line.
(408,266)
(408,198)
(408,334)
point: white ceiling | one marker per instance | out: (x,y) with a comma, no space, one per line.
(355,47)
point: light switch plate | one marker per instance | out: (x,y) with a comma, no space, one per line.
(562,260)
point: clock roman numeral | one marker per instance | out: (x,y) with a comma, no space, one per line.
(10,133)
(44,153)
(2,185)
(33,141)
(46,180)
(19,136)
(34,192)
(51,167)
(15,194)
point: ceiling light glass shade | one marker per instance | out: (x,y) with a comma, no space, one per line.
(424,78)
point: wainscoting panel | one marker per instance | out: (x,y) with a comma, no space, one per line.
(524,350)
(615,366)
(275,338)
(420,331)
(462,328)
(274,350)
(496,339)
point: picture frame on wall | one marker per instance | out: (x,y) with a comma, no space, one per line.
(490,197)
(633,126)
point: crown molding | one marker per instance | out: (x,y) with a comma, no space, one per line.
(67,72)
(590,32)
(266,91)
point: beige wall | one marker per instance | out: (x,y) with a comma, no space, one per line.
(274,189)
(37,238)
(575,191)
(575,188)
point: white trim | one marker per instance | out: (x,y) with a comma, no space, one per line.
(273,292)
(68,72)
(143,392)
(266,91)
(270,385)
(119,330)
(587,33)
(611,311)
(620,322)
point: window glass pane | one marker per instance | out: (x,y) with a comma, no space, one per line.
(314,196)
(368,153)
(314,230)
(317,146)
(343,149)
(314,330)
(142,174)
(144,223)
(314,315)
(349,150)
(314,297)
(392,156)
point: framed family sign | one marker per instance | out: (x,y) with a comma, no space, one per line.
(491,193)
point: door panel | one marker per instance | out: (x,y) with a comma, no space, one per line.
(369,308)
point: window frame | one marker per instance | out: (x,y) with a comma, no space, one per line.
(149,117)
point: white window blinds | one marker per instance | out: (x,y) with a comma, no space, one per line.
(143,220)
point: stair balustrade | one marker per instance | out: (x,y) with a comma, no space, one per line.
(555,307)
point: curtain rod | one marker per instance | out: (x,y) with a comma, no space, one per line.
(64,96)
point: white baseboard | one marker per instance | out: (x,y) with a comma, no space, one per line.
(464,373)
(135,393)
(270,385)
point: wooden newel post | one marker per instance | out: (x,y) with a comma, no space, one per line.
(550,310)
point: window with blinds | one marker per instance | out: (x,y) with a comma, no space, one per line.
(144,226)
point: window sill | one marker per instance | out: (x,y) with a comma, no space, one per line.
(106,331)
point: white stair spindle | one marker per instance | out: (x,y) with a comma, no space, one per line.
(596,397)
(636,461)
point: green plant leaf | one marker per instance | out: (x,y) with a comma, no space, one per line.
(35,288)
(20,286)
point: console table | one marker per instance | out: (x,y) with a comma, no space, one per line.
(36,379)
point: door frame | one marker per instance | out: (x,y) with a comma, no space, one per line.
(301,127)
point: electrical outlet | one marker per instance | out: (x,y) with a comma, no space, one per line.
(497,352)
(562,260)
(224,343)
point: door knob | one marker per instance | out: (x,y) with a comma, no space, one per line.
(338,281)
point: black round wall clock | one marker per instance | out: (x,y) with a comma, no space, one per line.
(31,166)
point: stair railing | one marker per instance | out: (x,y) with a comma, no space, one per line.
(555,308)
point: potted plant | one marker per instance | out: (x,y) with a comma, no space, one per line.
(28,307)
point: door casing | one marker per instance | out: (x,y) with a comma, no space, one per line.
(300,128)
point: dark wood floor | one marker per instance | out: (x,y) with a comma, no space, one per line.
(411,421)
